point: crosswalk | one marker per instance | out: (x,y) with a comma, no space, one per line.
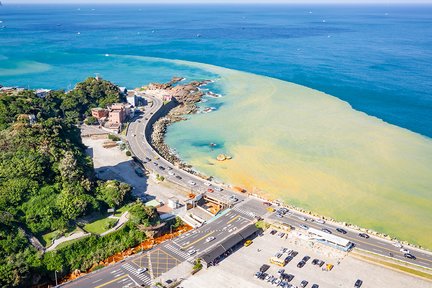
(176,251)
(144,277)
(243,211)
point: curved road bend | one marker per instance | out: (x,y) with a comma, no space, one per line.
(152,161)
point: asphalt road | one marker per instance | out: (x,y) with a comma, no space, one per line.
(144,151)
(372,244)
(167,255)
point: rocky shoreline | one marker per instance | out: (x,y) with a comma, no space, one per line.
(185,97)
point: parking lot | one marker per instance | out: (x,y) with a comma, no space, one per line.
(238,269)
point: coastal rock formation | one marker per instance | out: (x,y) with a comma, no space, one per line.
(223,157)
(185,96)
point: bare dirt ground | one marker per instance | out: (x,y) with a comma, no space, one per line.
(238,269)
(113,164)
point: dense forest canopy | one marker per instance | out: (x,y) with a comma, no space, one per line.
(47,181)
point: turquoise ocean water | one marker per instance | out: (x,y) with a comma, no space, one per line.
(377,59)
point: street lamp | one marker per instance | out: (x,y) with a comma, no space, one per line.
(55,273)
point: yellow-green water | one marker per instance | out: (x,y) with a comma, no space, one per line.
(313,150)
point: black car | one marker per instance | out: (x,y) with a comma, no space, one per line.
(288,259)
(273,232)
(340,230)
(294,253)
(301,264)
(263,275)
(289,277)
(315,261)
(178,177)
(409,256)
(315,286)
(358,283)
(306,258)
(264,267)
(364,235)
(303,283)
(161,167)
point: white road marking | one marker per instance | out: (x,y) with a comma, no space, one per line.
(97,281)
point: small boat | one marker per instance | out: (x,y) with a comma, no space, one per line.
(78,33)
(107,55)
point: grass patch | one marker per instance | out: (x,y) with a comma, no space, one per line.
(47,238)
(100,226)
(121,210)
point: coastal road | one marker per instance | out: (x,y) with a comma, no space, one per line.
(372,244)
(166,256)
(143,149)
(152,161)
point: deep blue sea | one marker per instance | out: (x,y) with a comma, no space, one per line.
(377,58)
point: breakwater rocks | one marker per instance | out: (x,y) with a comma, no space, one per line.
(185,97)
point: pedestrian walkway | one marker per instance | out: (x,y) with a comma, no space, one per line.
(144,277)
(176,251)
(243,211)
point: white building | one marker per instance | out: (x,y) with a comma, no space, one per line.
(41,93)
(330,239)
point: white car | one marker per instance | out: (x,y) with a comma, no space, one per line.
(302,218)
(320,221)
(207,184)
(209,239)
(405,251)
(304,227)
(141,270)
(171,173)
(191,252)
(397,244)
(218,188)
(191,183)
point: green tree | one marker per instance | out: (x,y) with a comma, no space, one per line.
(112,192)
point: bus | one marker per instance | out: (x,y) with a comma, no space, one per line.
(278,261)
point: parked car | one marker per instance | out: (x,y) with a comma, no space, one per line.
(303,283)
(301,264)
(273,232)
(315,286)
(306,258)
(264,267)
(178,177)
(358,283)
